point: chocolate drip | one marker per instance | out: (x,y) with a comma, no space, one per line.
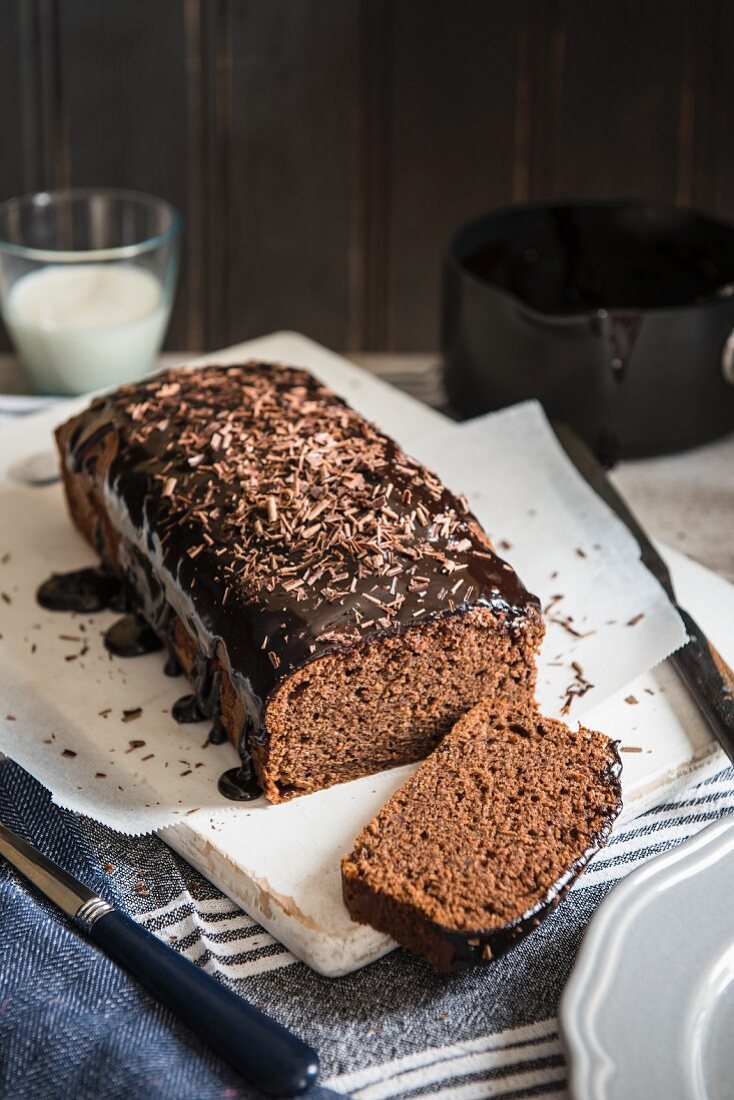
(131,636)
(218,734)
(206,680)
(90,430)
(187,709)
(239,785)
(82,590)
(172,666)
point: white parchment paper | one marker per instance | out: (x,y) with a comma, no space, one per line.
(607,618)
(97,731)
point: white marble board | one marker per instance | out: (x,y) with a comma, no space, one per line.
(281,864)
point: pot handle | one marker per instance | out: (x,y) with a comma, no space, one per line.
(727,359)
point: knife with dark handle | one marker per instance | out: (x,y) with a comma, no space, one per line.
(707,676)
(267,1055)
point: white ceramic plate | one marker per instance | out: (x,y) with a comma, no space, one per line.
(648,1011)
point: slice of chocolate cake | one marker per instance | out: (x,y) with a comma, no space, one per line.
(486,837)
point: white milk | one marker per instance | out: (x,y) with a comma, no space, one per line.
(80,327)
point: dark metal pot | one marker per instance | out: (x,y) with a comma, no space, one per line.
(617,316)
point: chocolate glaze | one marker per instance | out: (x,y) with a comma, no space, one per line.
(187,537)
(187,709)
(218,735)
(239,784)
(82,590)
(171,667)
(131,636)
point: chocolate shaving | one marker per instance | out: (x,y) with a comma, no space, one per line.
(577,688)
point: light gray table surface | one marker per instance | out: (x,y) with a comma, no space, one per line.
(685,500)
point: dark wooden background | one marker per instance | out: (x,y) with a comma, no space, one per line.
(321,151)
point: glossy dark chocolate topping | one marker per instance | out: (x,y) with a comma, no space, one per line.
(131,636)
(292,526)
(187,709)
(239,784)
(83,590)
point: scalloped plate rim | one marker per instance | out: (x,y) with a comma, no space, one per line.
(590,1062)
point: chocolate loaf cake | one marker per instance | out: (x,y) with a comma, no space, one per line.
(336,608)
(486,837)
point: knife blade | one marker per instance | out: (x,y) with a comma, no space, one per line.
(700,666)
(265,1053)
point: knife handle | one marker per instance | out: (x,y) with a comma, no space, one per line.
(267,1056)
(710,681)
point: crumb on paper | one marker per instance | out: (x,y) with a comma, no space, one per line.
(100,775)
(504,544)
(580,553)
(131,714)
(105,712)
(630,748)
(635,619)
(68,752)
(148,757)
(133,745)
(10,718)
(631,699)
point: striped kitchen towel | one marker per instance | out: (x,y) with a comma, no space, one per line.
(73,1025)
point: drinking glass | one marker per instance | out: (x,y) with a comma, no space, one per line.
(87,280)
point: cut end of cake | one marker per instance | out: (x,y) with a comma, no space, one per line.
(487,837)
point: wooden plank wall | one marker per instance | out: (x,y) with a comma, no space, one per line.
(321,151)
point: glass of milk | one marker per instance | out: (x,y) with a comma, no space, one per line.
(87,279)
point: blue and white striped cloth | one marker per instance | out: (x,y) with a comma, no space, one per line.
(73,1025)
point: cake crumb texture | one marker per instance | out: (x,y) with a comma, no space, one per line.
(487,836)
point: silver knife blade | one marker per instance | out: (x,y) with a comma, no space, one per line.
(57,884)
